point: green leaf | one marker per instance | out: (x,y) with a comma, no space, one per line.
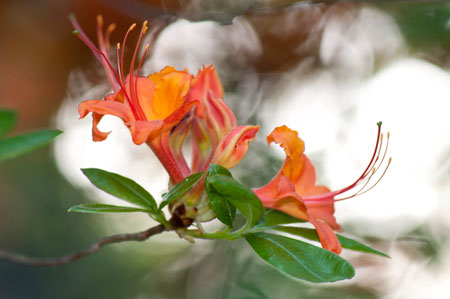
(239,196)
(217,169)
(274,218)
(180,189)
(104,208)
(223,209)
(21,144)
(8,120)
(311,234)
(299,259)
(121,187)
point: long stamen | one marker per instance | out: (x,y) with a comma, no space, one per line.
(374,169)
(147,48)
(382,175)
(137,75)
(368,169)
(378,155)
(133,87)
(101,57)
(123,50)
(100,32)
(109,30)
(103,42)
(362,188)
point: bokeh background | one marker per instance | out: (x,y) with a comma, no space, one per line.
(328,69)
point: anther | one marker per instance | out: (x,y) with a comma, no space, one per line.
(111,27)
(100,20)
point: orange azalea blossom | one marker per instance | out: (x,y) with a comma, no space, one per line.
(163,109)
(294,191)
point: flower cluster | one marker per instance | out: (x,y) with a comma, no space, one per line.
(171,109)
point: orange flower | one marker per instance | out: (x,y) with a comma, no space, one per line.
(162,110)
(156,109)
(294,191)
(149,106)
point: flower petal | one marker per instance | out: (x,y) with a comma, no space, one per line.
(144,131)
(234,146)
(205,82)
(327,237)
(105,107)
(168,95)
(178,115)
(97,135)
(99,108)
(294,148)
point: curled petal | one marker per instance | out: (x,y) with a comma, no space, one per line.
(105,107)
(207,89)
(294,148)
(97,135)
(99,108)
(177,137)
(201,146)
(144,131)
(327,237)
(220,117)
(234,146)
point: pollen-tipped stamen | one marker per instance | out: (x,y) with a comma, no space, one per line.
(133,87)
(373,170)
(367,171)
(101,57)
(123,51)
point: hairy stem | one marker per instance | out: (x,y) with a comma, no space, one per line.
(52,262)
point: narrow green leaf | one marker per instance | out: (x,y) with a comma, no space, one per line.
(299,259)
(223,209)
(311,234)
(21,144)
(239,196)
(181,188)
(8,120)
(274,217)
(121,187)
(104,208)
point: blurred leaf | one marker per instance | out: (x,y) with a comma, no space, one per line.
(274,217)
(8,120)
(299,259)
(181,188)
(423,24)
(104,208)
(239,196)
(311,234)
(121,187)
(21,144)
(223,209)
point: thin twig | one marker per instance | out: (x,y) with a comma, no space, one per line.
(52,262)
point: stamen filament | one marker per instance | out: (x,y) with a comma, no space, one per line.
(111,67)
(382,175)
